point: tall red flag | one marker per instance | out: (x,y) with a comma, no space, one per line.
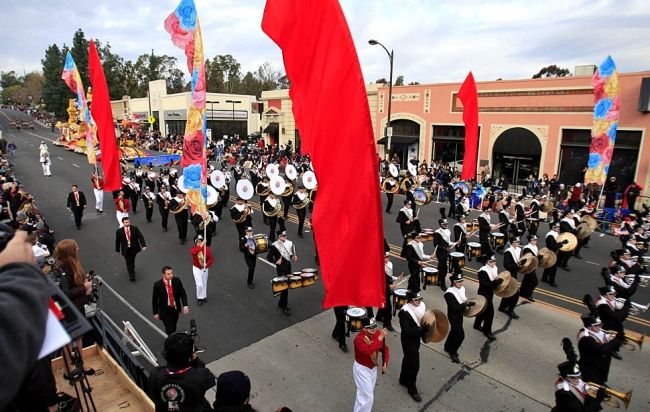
(322,65)
(468,95)
(103,115)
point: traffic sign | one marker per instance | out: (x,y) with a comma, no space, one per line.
(151,120)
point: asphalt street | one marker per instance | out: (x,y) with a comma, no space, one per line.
(235,317)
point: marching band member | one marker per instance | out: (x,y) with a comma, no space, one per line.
(224,196)
(511,263)
(201,262)
(133,190)
(150,181)
(173,181)
(529,282)
(548,276)
(265,184)
(631,245)
(488,279)
(121,207)
(567,224)
(416,258)
(596,348)
(520,215)
(618,281)
(298,198)
(385,314)
(571,393)
(460,234)
(630,264)
(612,312)
(148,199)
(163,198)
(181,215)
(98,188)
(338,333)
(534,214)
(248,248)
(484,230)
(456,303)
(237,211)
(368,344)
(442,241)
(410,322)
(45,159)
(281,253)
(286,202)
(408,223)
(269,205)
(509,228)
(409,195)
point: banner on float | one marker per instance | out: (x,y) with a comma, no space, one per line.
(606,115)
(162,160)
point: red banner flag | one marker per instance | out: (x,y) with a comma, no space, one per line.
(468,95)
(322,65)
(103,115)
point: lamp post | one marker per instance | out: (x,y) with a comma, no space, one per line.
(373,42)
(212,102)
(233,109)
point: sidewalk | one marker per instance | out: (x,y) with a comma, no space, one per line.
(301,367)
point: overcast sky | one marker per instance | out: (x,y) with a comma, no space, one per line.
(434,41)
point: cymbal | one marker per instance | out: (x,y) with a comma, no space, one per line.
(477,309)
(546,207)
(572,241)
(547,258)
(505,275)
(584,230)
(511,288)
(590,221)
(528,263)
(439,325)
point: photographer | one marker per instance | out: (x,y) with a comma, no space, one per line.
(182,383)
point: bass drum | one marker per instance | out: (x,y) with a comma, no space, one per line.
(261,243)
(422,196)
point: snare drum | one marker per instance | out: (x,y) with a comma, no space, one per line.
(354,318)
(498,239)
(474,225)
(429,275)
(261,243)
(399,299)
(457,258)
(313,271)
(308,279)
(280,283)
(473,249)
(295,281)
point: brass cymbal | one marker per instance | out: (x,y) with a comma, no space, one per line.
(439,325)
(472,311)
(590,221)
(571,241)
(527,264)
(546,257)
(584,230)
(511,288)
(505,275)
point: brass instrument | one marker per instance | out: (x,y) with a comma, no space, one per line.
(312,193)
(262,190)
(303,203)
(642,284)
(244,215)
(635,308)
(275,211)
(205,221)
(179,209)
(201,258)
(626,343)
(288,189)
(393,182)
(625,397)
(402,185)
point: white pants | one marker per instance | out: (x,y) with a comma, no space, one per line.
(119,216)
(365,380)
(99,199)
(46,168)
(201,280)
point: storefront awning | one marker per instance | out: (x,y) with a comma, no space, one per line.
(399,139)
(272,128)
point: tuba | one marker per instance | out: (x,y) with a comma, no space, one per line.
(302,204)
(262,190)
(181,206)
(406,183)
(204,222)
(273,212)
(390,185)
(625,397)
(288,189)
(244,215)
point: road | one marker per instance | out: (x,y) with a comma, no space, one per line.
(236,320)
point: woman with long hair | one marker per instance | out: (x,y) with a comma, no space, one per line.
(74,283)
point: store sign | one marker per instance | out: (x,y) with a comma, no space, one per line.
(175,114)
(227,114)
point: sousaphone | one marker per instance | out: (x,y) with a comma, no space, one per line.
(288,188)
(181,184)
(439,326)
(277,185)
(390,185)
(272,170)
(546,258)
(291,172)
(309,180)
(412,169)
(393,170)
(571,241)
(245,189)
(218,179)
(477,309)
(213,197)
(527,264)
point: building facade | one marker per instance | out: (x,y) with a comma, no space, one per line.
(526,127)
(227,114)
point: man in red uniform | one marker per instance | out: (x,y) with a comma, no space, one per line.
(201,262)
(367,345)
(122,207)
(98,187)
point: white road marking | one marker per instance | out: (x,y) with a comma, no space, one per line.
(592,263)
(60,158)
(73,164)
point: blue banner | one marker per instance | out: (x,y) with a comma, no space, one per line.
(162,160)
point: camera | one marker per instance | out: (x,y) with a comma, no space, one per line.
(192,332)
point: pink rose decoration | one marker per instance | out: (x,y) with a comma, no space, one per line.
(180,37)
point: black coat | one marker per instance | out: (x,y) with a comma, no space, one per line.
(612,319)
(122,244)
(509,263)
(159,298)
(485,285)
(552,244)
(413,260)
(72,203)
(595,358)
(410,336)
(404,227)
(566,401)
(284,268)
(194,382)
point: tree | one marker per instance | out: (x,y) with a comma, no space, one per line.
(413,83)
(382,80)
(55,91)
(552,71)
(114,69)
(399,81)
(79,53)
(150,67)
(8,79)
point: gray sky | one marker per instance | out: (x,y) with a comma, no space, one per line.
(434,41)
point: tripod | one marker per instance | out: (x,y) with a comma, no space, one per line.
(77,377)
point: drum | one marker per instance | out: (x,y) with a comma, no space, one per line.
(429,275)
(280,283)
(308,271)
(261,243)
(399,299)
(308,279)
(474,225)
(473,249)
(354,318)
(457,258)
(427,235)
(498,239)
(295,281)
(422,196)
(532,224)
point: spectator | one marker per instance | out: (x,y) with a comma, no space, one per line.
(233,392)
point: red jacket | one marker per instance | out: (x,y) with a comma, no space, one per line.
(126,206)
(363,349)
(195,256)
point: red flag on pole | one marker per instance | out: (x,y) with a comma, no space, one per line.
(103,115)
(322,65)
(468,95)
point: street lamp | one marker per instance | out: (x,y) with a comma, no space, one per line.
(373,42)
(233,110)
(212,102)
